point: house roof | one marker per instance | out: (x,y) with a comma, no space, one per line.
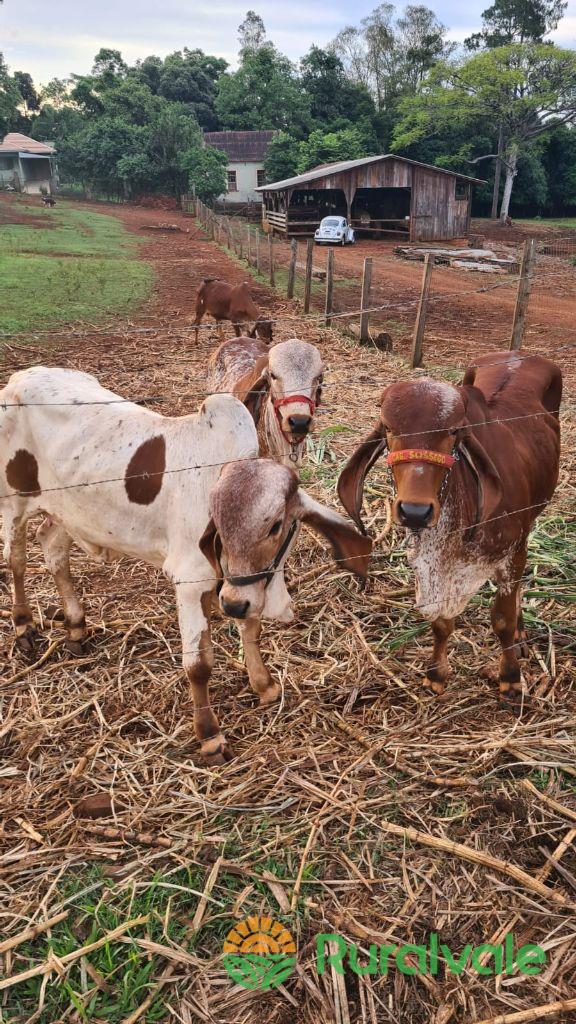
(14,142)
(325,170)
(250,147)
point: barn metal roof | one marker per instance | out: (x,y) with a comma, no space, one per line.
(14,142)
(326,170)
(249,147)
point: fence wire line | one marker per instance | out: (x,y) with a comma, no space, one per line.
(404,304)
(147,475)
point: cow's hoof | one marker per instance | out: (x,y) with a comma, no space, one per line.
(511,702)
(27,641)
(218,757)
(271,695)
(523,648)
(75,648)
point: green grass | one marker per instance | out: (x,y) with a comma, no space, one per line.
(129,973)
(82,266)
(560,222)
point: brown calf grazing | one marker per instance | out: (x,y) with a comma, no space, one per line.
(473,467)
(280,384)
(230,302)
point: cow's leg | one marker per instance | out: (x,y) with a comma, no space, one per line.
(194,611)
(438,671)
(505,625)
(238,330)
(260,679)
(523,650)
(197,323)
(15,555)
(56,543)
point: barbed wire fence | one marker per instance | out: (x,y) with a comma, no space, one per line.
(329,287)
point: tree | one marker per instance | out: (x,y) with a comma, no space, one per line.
(327,148)
(332,96)
(264,93)
(251,35)
(389,56)
(27,91)
(527,89)
(516,21)
(10,98)
(206,168)
(191,77)
(282,157)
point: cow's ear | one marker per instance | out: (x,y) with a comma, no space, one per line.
(350,549)
(258,386)
(474,443)
(352,477)
(211,547)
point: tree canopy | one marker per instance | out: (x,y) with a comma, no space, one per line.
(392,80)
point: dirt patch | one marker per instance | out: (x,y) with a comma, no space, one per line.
(11,212)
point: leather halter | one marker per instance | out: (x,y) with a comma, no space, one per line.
(312,404)
(459,451)
(264,574)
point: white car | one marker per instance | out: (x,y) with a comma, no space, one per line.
(334,231)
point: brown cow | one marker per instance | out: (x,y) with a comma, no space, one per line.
(230,302)
(473,466)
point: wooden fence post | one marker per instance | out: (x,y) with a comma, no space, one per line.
(524,289)
(329,287)
(257,250)
(248,246)
(418,340)
(365,301)
(229,232)
(271,257)
(308,278)
(292,268)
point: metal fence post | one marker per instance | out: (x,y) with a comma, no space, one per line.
(308,278)
(365,301)
(418,340)
(524,289)
(292,269)
(329,305)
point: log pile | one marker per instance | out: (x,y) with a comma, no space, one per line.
(485,261)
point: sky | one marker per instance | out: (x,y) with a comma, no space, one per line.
(54,40)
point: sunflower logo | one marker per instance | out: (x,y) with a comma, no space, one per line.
(259,953)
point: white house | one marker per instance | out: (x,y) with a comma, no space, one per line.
(27,165)
(246,152)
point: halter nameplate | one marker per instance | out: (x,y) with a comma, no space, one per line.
(420,455)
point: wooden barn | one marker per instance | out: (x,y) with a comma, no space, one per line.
(380,196)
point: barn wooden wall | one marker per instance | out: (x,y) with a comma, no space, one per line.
(435,213)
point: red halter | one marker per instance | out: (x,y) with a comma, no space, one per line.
(289,399)
(420,455)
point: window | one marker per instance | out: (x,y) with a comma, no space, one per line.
(461,190)
(260,177)
(232,183)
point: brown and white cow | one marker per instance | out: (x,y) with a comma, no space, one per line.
(230,302)
(473,466)
(119,479)
(280,384)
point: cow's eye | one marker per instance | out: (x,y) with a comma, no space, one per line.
(275,529)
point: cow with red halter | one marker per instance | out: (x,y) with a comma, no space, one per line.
(281,385)
(472,466)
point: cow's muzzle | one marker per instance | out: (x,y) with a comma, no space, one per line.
(415,516)
(299,425)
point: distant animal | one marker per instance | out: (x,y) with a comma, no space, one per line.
(48,201)
(163,499)
(230,302)
(473,466)
(280,384)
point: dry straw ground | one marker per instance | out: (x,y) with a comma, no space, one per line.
(359,805)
